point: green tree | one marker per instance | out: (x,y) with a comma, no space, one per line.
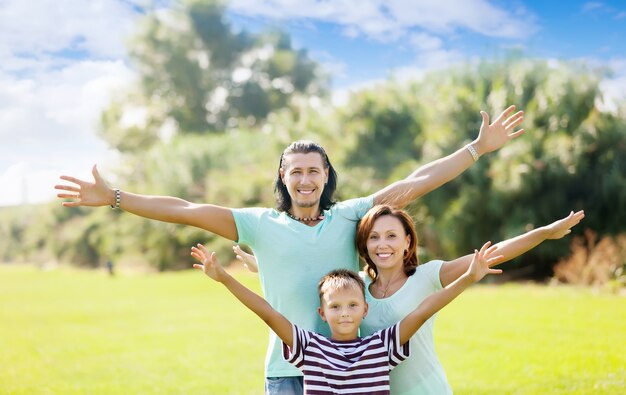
(198,75)
(571,158)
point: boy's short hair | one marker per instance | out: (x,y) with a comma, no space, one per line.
(338,279)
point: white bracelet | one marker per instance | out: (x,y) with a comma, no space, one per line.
(472,152)
(117,199)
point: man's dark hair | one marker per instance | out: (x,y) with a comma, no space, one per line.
(283,200)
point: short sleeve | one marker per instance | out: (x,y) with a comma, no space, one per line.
(295,354)
(357,207)
(430,270)
(397,352)
(247,222)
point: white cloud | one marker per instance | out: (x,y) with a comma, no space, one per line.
(591,5)
(49,124)
(387,20)
(425,42)
(614,88)
(60,62)
(33,30)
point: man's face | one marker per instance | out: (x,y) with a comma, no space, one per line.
(304,176)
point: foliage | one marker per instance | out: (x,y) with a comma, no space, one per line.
(199,75)
(594,262)
(572,157)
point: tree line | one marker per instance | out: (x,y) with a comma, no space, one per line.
(214,109)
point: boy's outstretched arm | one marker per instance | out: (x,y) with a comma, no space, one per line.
(480,266)
(211,267)
(429,177)
(514,247)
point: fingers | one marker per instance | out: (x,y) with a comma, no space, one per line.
(239,252)
(199,252)
(67,196)
(494,271)
(95,173)
(495,260)
(197,255)
(513,120)
(574,218)
(485,118)
(505,113)
(515,135)
(69,188)
(72,179)
(198,266)
(491,250)
(484,248)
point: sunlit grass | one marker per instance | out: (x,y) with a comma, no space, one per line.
(79,332)
(520,339)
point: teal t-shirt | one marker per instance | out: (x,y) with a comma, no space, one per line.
(421,373)
(292,257)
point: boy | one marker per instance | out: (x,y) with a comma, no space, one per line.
(345,363)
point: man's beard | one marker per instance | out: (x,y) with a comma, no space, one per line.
(306,204)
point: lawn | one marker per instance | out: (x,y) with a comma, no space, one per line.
(82,332)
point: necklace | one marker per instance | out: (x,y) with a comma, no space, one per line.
(305,219)
(384,292)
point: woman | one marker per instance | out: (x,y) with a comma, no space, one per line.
(396,284)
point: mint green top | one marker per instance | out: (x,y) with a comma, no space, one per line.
(293,257)
(422,372)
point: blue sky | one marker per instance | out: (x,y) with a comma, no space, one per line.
(62,61)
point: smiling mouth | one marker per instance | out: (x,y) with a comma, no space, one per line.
(306,192)
(384,254)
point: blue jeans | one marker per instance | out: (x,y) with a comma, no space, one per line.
(293,385)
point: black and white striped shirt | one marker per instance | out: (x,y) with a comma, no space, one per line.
(359,366)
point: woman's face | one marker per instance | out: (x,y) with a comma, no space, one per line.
(387,242)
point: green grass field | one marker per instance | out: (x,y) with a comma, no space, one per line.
(81,332)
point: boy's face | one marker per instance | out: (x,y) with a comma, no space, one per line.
(343,309)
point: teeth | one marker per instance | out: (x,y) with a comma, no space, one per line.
(385,255)
(305,192)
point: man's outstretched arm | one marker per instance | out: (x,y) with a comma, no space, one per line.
(431,176)
(215,219)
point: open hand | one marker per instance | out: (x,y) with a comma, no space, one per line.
(248,260)
(85,193)
(562,227)
(495,135)
(483,260)
(208,263)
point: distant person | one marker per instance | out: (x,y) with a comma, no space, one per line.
(315,234)
(110,268)
(345,363)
